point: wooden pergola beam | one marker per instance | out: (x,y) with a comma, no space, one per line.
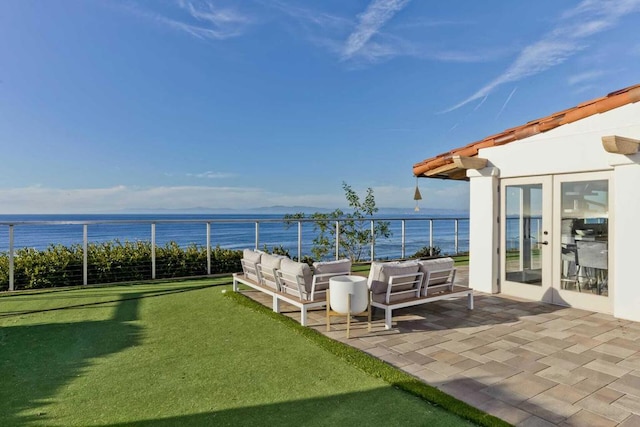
(620,144)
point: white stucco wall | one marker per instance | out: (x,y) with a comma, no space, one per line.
(572,148)
(625,264)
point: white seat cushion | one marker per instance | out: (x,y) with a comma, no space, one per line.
(436,264)
(380,272)
(298,269)
(339,266)
(252,256)
(271,261)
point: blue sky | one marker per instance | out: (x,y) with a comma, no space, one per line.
(122,105)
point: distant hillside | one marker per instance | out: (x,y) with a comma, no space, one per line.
(275,210)
(422,212)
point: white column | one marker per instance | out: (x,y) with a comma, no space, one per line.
(484,229)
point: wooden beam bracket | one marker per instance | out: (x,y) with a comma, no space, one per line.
(463,162)
(620,144)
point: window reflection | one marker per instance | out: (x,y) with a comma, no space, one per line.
(522,257)
(585,236)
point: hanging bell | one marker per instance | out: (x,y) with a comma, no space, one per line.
(417,196)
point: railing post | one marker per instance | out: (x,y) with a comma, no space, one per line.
(85,254)
(11,266)
(257,235)
(299,240)
(403,240)
(373,241)
(153,250)
(208,248)
(430,237)
(337,240)
(455,236)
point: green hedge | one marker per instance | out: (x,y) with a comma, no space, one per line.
(110,262)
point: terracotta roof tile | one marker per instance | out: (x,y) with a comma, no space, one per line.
(613,100)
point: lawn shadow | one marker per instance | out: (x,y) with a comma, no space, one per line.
(372,407)
(111,299)
(37,360)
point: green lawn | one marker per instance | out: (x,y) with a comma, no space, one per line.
(180,354)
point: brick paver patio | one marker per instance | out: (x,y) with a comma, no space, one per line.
(529,363)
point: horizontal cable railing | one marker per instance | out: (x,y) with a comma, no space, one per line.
(93,251)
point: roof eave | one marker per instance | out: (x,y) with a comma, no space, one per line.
(442,166)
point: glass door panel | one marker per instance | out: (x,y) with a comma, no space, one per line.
(522,253)
(525,216)
(582,250)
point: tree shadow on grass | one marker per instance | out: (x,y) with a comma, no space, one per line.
(37,360)
(380,406)
(112,299)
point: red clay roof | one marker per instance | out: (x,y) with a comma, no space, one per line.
(613,100)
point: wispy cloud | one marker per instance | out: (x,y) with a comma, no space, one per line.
(212,175)
(38,199)
(568,38)
(365,42)
(203,20)
(462,56)
(328,31)
(506,102)
(322,20)
(480,103)
(369,23)
(122,198)
(431,23)
(585,77)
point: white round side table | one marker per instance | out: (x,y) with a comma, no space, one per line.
(347,296)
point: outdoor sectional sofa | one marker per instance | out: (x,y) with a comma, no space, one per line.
(286,280)
(397,284)
(392,285)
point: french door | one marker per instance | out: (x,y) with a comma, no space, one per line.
(555,239)
(526,219)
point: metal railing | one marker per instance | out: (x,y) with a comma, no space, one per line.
(421,230)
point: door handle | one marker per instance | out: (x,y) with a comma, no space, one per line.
(545,242)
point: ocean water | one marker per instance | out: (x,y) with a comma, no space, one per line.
(228,231)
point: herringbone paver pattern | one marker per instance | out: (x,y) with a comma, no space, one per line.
(529,363)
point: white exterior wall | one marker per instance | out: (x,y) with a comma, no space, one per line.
(571,148)
(624,270)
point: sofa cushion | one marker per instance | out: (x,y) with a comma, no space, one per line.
(382,298)
(252,256)
(271,261)
(339,266)
(299,269)
(436,264)
(381,272)
(374,271)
